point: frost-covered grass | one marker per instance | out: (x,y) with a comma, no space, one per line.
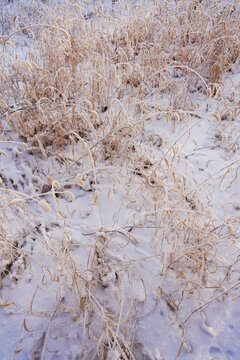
(106,211)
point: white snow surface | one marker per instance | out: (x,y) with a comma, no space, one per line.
(213,333)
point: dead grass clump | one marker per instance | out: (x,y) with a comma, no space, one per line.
(203,37)
(58,88)
(77,67)
(99,327)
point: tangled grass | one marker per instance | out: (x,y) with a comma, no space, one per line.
(95,80)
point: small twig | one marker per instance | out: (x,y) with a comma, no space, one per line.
(211,300)
(47,334)
(111,232)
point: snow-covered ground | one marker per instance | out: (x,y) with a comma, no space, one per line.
(89,261)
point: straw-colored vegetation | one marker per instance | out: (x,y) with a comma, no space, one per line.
(96,82)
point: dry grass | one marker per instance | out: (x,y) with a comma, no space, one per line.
(69,79)
(94,82)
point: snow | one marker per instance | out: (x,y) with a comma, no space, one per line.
(103,232)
